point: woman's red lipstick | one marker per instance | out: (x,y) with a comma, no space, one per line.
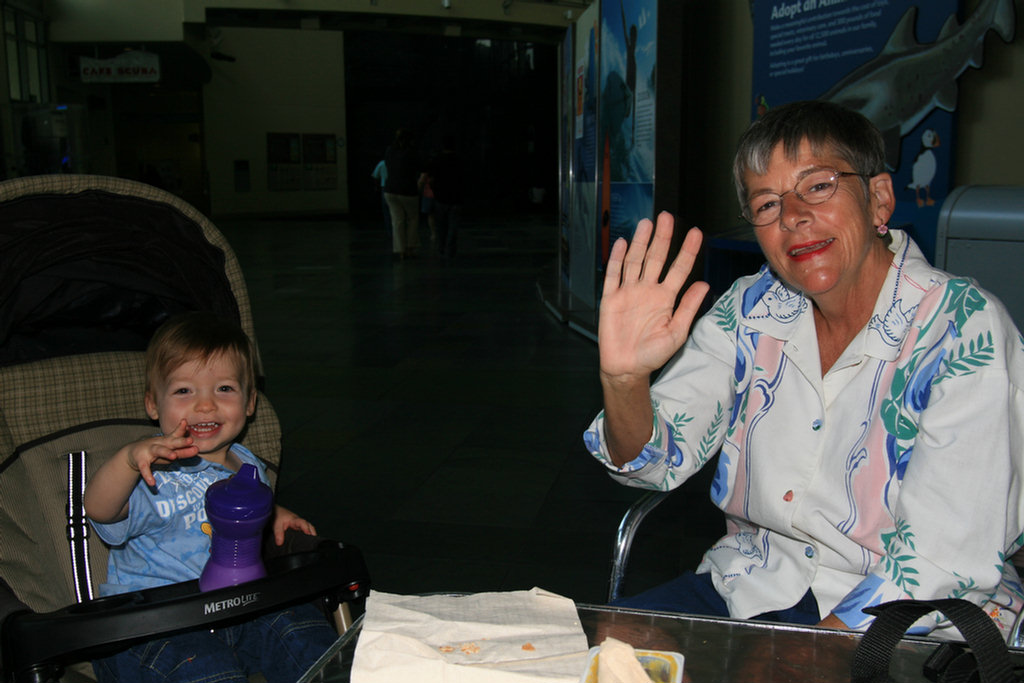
(808,250)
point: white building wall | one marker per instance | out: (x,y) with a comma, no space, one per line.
(282,81)
(98,21)
(153,20)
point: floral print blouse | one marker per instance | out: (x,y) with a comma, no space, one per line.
(895,475)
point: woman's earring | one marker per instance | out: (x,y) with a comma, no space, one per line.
(882,229)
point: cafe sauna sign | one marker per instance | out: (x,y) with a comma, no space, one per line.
(127,67)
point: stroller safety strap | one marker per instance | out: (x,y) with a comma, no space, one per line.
(78,527)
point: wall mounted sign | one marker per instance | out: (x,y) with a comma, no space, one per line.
(135,66)
(895,61)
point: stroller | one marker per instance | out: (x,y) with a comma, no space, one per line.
(90,266)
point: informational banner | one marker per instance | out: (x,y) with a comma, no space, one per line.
(566,113)
(626,143)
(895,61)
(319,161)
(135,66)
(284,161)
(583,217)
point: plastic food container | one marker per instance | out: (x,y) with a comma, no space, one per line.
(660,666)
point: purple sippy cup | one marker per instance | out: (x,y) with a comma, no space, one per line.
(237,508)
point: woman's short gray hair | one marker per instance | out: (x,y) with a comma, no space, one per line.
(828,127)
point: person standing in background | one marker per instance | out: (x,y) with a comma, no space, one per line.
(402,194)
(380,174)
(427,205)
(446,179)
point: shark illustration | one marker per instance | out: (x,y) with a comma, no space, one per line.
(907,80)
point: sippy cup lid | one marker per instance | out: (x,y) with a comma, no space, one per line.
(240,496)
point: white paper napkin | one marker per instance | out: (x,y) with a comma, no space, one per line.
(510,637)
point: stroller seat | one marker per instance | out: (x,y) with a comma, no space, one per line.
(90,267)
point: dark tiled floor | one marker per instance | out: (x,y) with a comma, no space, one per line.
(432,413)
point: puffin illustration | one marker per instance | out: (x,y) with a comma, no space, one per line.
(762,105)
(923,170)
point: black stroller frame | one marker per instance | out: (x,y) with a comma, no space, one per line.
(38,647)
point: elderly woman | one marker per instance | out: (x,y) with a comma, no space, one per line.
(865,405)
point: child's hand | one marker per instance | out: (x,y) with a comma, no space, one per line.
(159,450)
(110,488)
(285,519)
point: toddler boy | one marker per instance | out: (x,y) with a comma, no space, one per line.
(148,503)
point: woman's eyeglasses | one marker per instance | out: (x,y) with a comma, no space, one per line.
(816,187)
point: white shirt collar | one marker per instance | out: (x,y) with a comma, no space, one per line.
(772,308)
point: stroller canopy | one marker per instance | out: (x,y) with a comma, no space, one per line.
(94,264)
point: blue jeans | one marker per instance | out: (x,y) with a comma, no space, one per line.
(695,594)
(281,645)
(448,218)
(386,212)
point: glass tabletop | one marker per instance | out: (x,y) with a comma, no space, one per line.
(716,650)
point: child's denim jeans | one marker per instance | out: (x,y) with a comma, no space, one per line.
(281,646)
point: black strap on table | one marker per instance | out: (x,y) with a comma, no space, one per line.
(987,660)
